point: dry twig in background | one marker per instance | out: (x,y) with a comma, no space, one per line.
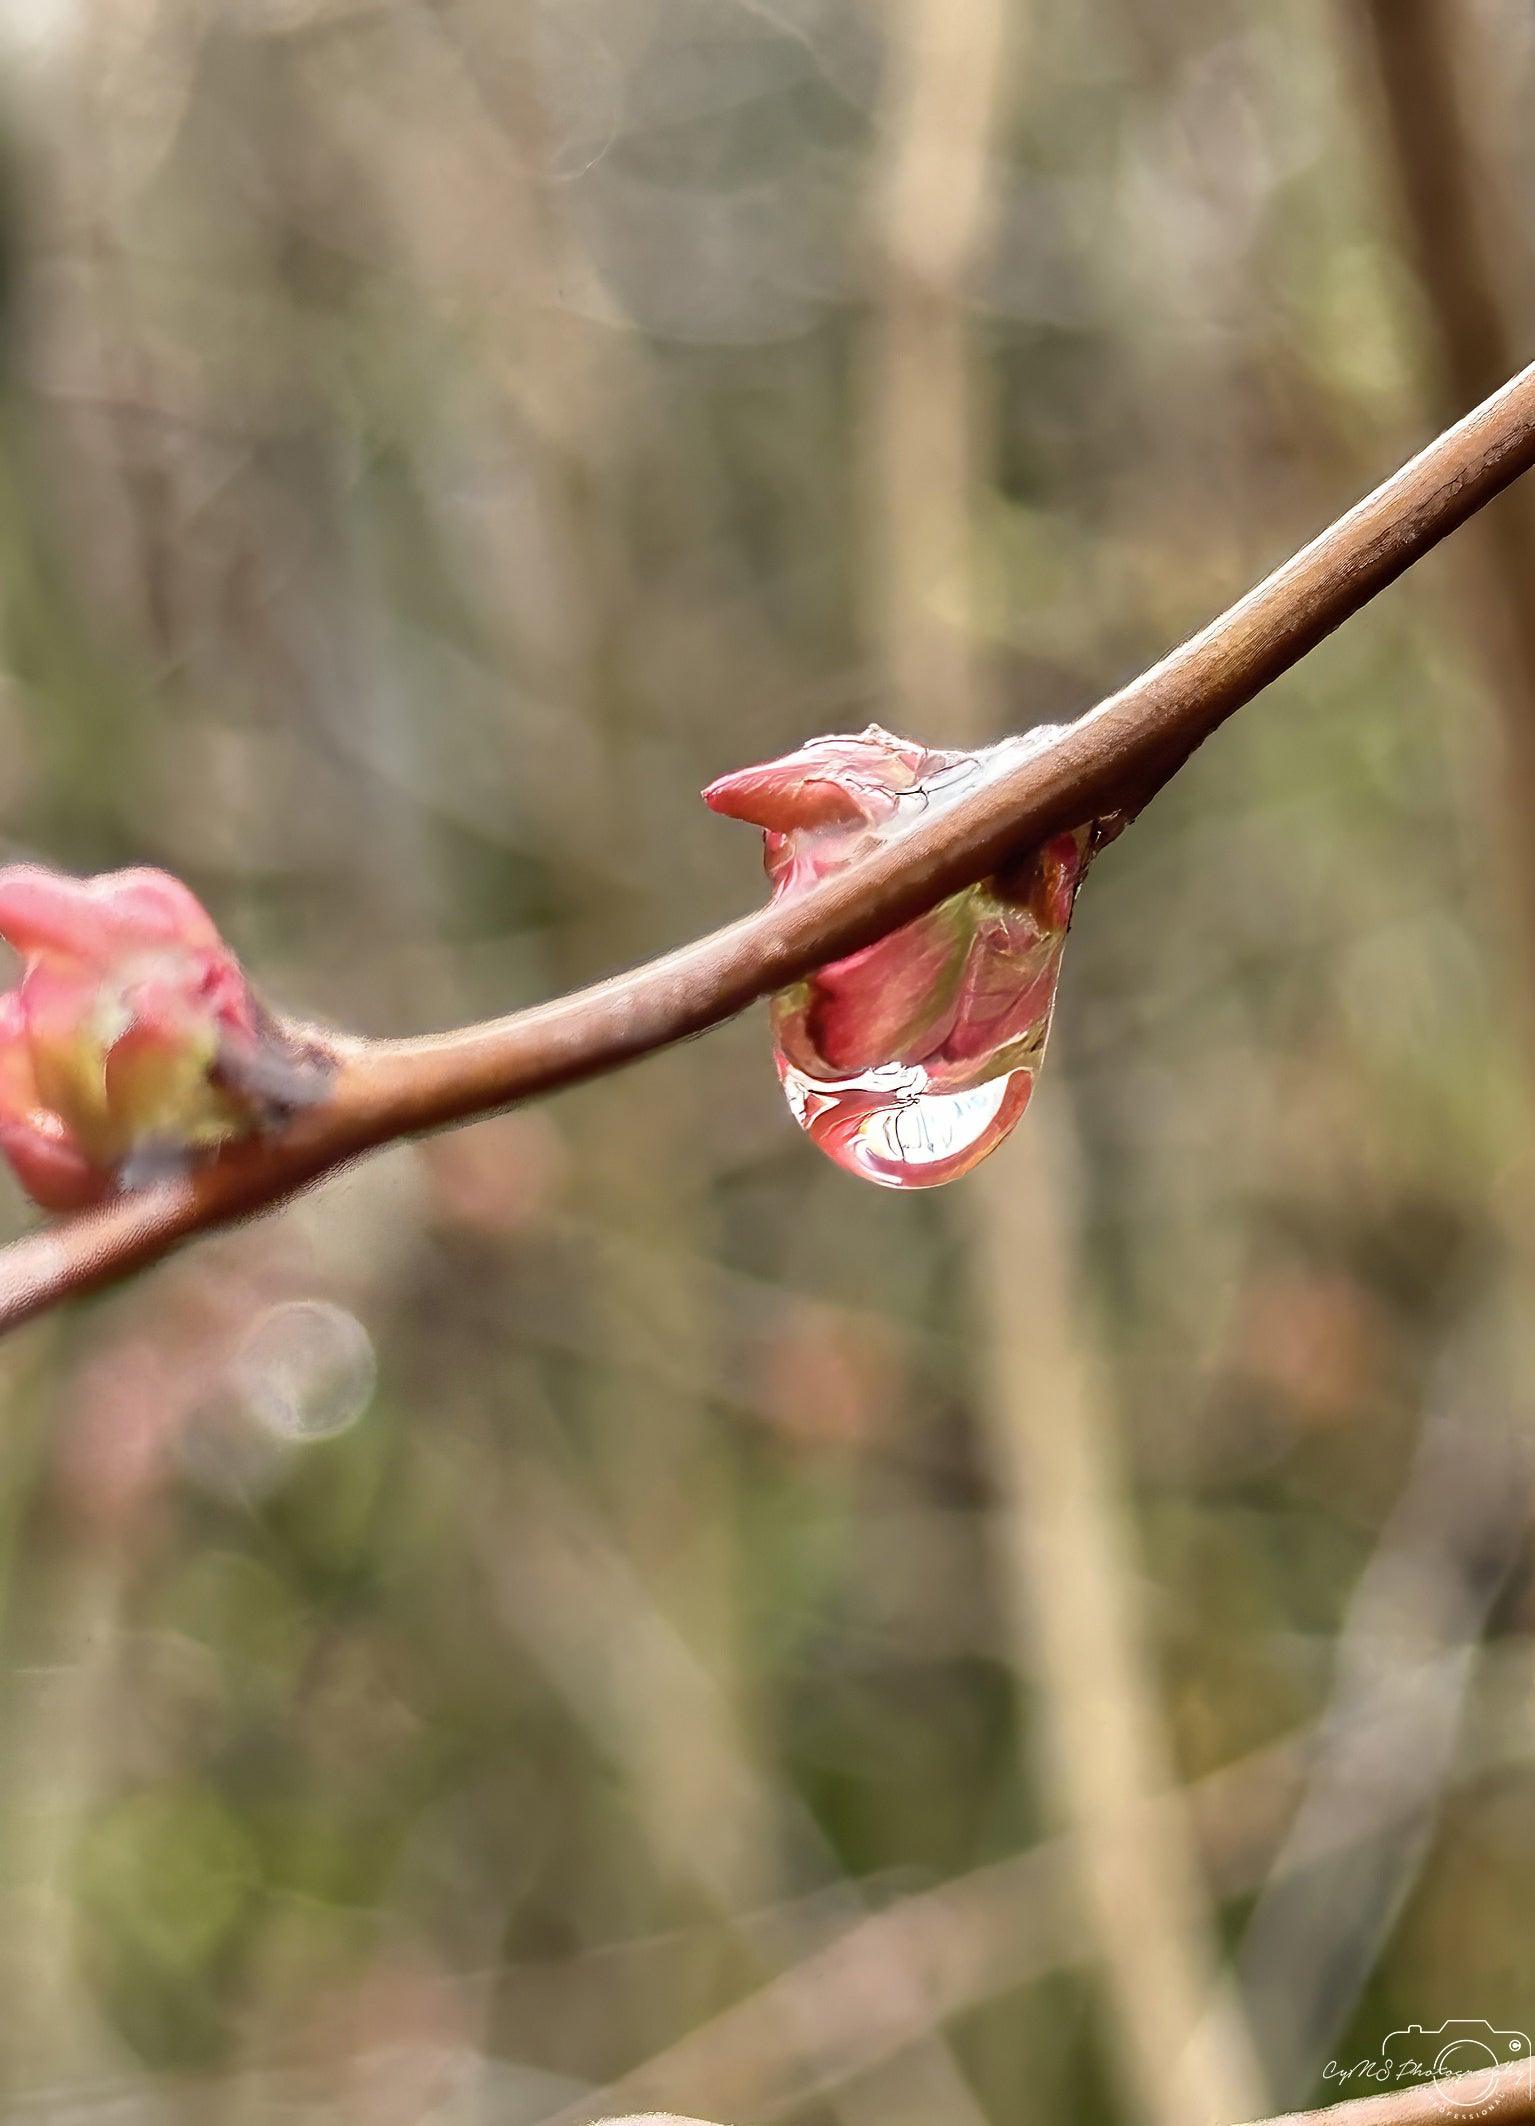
(1048,1432)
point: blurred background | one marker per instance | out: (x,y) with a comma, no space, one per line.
(601,1610)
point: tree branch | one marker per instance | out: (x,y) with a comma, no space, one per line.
(1111,759)
(1505,2096)
(1501,2095)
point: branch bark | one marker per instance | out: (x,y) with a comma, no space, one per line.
(1501,2095)
(1111,759)
(1505,2096)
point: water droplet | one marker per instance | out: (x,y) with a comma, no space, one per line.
(306,1370)
(886,1126)
(910,1058)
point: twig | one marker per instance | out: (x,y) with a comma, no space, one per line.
(1112,758)
(1501,2094)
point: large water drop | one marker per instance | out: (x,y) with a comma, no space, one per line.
(885,1125)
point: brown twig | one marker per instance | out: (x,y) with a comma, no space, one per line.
(1499,2094)
(1110,759)
(1502,2095)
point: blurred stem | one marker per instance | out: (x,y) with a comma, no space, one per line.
(677,1688)
(938,1955)
(58,1703)
(614,1654)
(656,1441)
(1472,252)
(1073,1575)
(932,212)
(1404,1663)
(980,1937)
(1046,1407)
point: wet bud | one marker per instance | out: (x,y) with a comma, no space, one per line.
(907,1062)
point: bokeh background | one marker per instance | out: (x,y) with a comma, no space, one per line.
(601,1610)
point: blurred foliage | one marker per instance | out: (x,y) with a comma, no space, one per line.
(429,450)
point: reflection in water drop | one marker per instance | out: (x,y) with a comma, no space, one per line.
(306,1369)
(885,1126)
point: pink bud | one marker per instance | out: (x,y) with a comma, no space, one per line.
(94,920)
(132,1036)
(821,805)
(884,1054)
(46,1161)
(829,782)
